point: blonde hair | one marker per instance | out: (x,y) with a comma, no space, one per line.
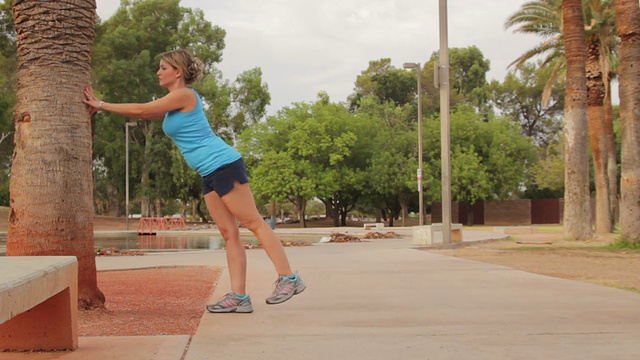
(192,68)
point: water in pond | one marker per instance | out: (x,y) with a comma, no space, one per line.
(159,243)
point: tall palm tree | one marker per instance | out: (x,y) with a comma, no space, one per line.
(577,210)
(628,29)
(545,18)
(601,42)
(51,189)
(542,18)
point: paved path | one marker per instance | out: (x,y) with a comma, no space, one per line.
(384,299)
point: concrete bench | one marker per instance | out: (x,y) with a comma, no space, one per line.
(376,226)
(425,235)
(38,303)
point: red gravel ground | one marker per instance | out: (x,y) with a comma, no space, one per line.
(159,301)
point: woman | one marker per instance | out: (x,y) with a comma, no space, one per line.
(225,184)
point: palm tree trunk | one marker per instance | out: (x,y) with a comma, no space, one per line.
(51,175)
(612,159)
(577,212)
(628,29)
(596,118)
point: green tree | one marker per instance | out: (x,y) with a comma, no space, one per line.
(519,97)
(468,78)
(392,180)
(490,159)
(548,173)
(7,96)
(385,82)
(468,70)
(234,106)
(301,151)
(503,152)
(470,180)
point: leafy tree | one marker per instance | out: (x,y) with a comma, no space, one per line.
(490,159)
(349,175)
(393,162)
(503,152)
(298,154)
(365,83)
(468,69)
(234,106)
(385,83)
(470,180)
(519,97)
(7,96)
(468,75)
(548,174)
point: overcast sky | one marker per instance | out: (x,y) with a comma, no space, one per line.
(304,47)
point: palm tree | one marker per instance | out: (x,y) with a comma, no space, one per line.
(628,29)
(544,18)
(600,44)
(577,212)
(51,189)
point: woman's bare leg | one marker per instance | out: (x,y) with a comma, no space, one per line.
(236,255)
(241,204)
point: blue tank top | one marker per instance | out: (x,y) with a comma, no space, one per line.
(203,150)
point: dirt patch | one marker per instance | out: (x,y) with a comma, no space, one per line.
(159,301)
(549,254)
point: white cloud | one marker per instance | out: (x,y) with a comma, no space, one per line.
(304,47)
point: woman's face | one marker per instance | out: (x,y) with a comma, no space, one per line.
(167,74)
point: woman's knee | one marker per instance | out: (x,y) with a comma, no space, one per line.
(255,224)
(229,233)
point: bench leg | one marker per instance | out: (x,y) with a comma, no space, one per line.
(52,325)
(456,235)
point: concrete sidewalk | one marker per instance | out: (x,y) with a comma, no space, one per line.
(385,299)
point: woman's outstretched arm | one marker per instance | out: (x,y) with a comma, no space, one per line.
(176,100)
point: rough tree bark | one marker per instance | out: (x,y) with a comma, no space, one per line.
(628,29)
(577,212)
(596,119)
(51,174)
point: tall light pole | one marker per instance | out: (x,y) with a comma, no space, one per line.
(126,171)
(442,75)
(420,191)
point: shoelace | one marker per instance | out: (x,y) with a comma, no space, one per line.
(282,283)
(228,300)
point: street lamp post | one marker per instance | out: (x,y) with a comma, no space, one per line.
(420,191)
(445,125)
(126,176)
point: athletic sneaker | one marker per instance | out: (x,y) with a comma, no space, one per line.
(231,303)
(285,289)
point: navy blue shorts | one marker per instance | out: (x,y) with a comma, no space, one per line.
(222,179)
